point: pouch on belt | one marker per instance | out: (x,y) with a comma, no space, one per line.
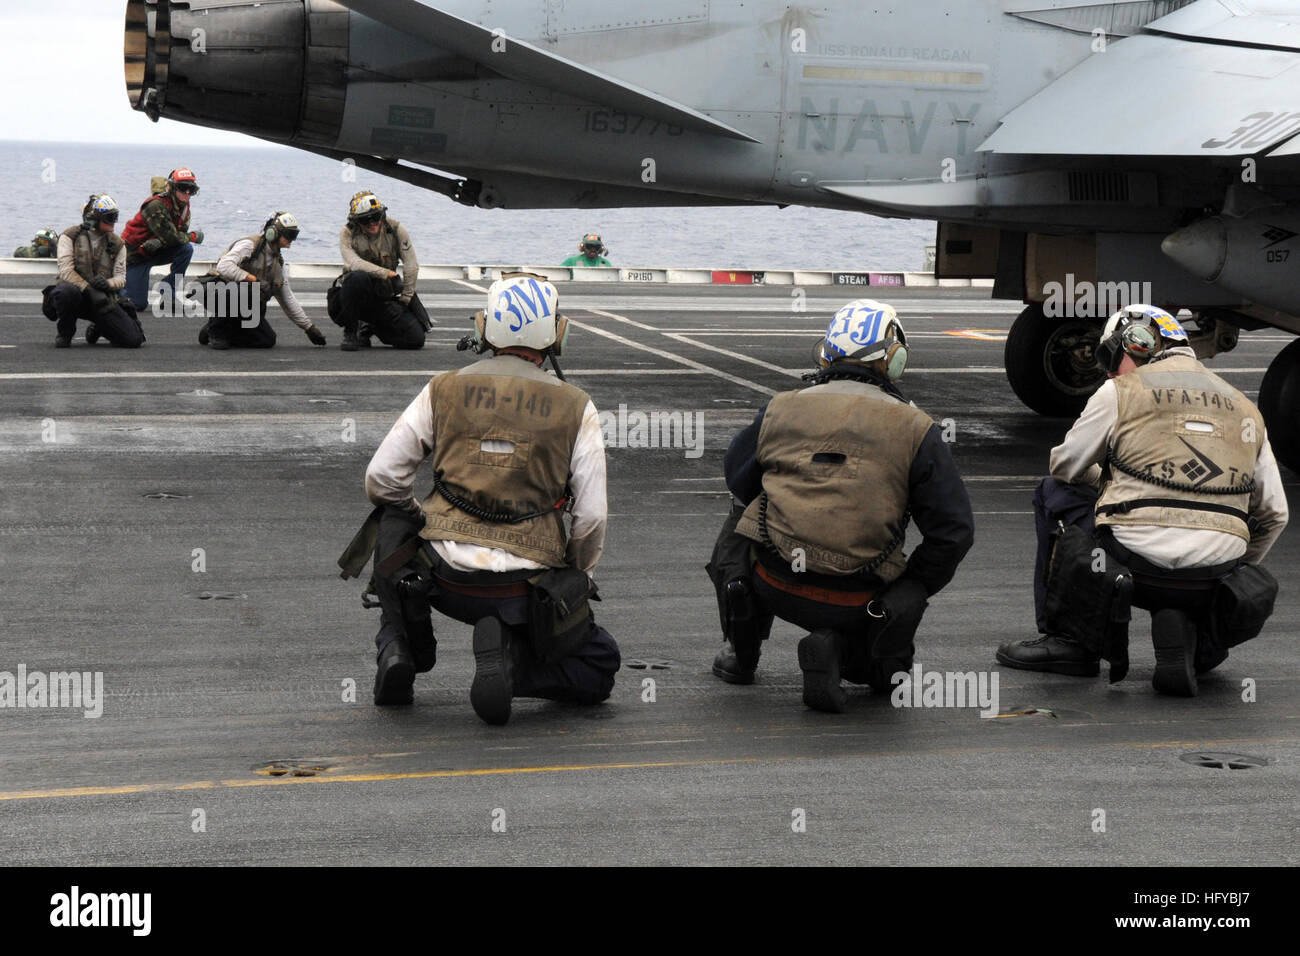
(1242,602)
(559,612)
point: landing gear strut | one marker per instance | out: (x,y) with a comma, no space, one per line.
(1279,403)
(1050,363)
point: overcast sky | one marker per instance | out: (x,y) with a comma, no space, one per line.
(61,73)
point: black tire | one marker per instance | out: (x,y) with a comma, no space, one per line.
(1279,398)
(1049,362)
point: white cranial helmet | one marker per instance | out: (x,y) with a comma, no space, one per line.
(1140,331)
(866,330)
(523,310)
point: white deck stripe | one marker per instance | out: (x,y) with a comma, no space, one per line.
(377,373)
(672,357)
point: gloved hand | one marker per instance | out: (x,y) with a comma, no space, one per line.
(196,236)
(99,301)
(315,334)
(150,246)
(395,309)
(904,595)
(99,283)
(396,283)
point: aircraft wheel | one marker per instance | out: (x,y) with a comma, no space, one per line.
(1050,363)
(1279,399)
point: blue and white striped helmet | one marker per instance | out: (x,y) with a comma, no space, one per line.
(863,330)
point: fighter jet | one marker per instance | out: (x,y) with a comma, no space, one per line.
(1083,154)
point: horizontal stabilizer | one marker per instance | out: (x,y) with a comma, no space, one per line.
(1261,23)
(1160,96)
(522,61)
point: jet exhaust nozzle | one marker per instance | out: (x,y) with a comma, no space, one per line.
(275,69)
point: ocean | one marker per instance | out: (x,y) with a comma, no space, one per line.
(46,184)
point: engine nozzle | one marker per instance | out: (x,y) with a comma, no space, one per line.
(275,69)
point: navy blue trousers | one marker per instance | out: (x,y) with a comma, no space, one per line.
(117,326)
(359,302)
(1056,501)
(137,276)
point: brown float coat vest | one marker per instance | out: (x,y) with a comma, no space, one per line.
(382,249)
(265,262)
(842,512)
(504,399)
(1157,403)
(89,266)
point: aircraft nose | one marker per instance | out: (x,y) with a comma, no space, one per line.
(1201,248)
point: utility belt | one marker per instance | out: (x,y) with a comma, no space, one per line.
(851,594)
(1152,575)
(494,585)
(490,591)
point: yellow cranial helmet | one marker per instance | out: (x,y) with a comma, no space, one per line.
(365,207)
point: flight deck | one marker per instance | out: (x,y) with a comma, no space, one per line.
(172,516)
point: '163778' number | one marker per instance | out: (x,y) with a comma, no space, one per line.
(617,121)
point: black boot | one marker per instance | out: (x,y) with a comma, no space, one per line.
(493,686)
(395,678)
(730,667)
(349,343)
(1056,655)
(92,334)
(819,659)
(1174,636)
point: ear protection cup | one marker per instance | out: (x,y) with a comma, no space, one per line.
(895,361)
(561,333)
(480,325)
(269,234)
(1138,341)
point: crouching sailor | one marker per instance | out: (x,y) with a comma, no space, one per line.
(513,449)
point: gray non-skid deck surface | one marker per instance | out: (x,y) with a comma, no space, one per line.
(199,692)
